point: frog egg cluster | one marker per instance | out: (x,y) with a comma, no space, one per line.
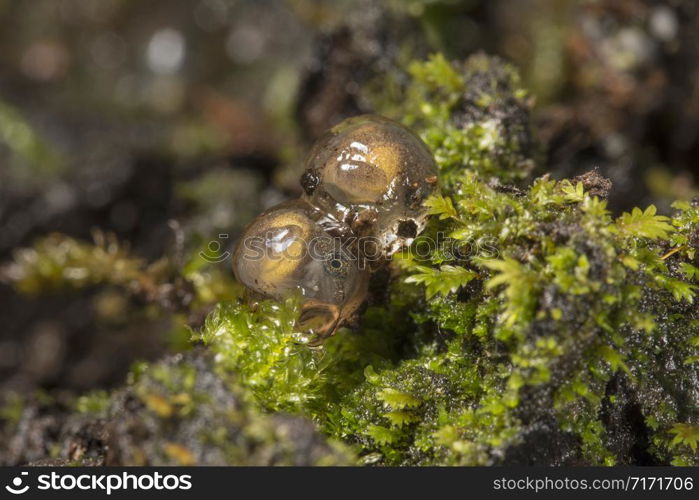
(364,187)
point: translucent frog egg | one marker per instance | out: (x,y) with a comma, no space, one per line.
(373,175)
(291,248)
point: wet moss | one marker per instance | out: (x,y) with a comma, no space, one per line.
(539,321)
(472,115)
(180,412)
(537,327)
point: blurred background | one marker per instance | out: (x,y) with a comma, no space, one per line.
(159,129)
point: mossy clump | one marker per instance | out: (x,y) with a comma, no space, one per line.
(174,412)
(179,412)
(542,328)
(264,348)
(474,115)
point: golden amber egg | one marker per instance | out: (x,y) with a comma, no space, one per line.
(372,174)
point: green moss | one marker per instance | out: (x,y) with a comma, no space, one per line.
(523,316)
(473,116)
(93,403)
(58,262)
(179,412)
(11,410)
(263,348)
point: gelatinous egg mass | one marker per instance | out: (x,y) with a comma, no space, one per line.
(365,184)
(372,174)
(288,249)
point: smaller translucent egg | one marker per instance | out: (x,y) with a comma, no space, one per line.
(294,248)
